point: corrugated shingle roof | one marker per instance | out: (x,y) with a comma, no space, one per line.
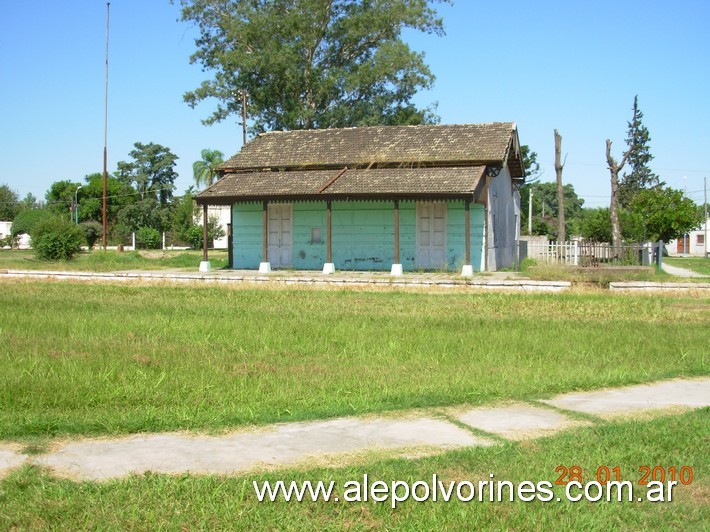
(326,184)
(392,161)
(362,146)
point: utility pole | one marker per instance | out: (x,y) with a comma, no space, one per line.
(530,210)
(705,238)
(103,196)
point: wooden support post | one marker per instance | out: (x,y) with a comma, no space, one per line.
(265,239)
(397,266)
(230,246)
(204,233)
(468,232)
(396,232)
(329,234)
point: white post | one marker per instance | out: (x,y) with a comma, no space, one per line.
(163,240)
(576,253)
(133,238)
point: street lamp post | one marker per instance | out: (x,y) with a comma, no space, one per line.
(76,204)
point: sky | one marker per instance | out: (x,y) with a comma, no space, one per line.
(544,64)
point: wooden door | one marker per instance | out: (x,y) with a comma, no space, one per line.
(280,235)
(431,235)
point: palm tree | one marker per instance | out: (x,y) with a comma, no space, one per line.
(205,171)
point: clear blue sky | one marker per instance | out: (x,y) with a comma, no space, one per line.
(574,66)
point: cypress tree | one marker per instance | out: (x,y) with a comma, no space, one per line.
(639,176)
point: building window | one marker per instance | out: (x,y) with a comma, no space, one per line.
(700,240)
(316,235)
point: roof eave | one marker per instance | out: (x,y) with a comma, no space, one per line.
(229,200)
(361,166)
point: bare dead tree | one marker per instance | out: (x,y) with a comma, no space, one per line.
(561,235)
(614,169)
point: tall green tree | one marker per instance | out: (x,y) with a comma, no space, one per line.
(532,176)
(312,63)
(205,170)
(530,164)
(118,194)
(547,193)
(184,213)
(9,203)
(151,172)
(639,176)
(664,213)
(595,224)
(60,197)
(30,201)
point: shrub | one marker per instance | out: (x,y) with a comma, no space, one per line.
(148,238)
(214,231)
(25,221)
(56,239)
(194,236)
(121,234)
(92,232)
(9,241)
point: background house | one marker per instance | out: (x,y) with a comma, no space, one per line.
(693,243)
(6,230)
(417,197)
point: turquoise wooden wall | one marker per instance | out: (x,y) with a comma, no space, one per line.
(363,235)
(308,255)
(247,225)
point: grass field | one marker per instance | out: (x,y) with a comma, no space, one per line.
(595,276)
(105,261)
(104,359)
(31,499)
(697,264)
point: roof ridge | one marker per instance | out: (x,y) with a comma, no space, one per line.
(382,126)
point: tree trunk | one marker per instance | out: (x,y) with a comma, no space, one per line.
(614,169)
(561,234)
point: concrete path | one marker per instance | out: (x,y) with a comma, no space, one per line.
(338,440)
(649,286)
(10,458)
(679,272)
(490,281)
(684,393)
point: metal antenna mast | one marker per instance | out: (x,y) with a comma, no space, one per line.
(103,203)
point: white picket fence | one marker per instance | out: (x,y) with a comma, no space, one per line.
(587,254)
(565,253)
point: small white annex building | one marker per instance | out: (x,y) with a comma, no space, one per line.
(6,229)
(691,244)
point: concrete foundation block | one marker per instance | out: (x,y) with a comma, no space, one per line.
(467,270)
(397,270)
(328,268)
(264,267)
(205,266)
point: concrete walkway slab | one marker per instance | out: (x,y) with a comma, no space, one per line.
(693,393)
(286,444)
(517,421)
(288,278)
(649,286)
(10,459)
(304,443)
(679,272)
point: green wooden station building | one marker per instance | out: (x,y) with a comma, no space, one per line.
(397,198)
